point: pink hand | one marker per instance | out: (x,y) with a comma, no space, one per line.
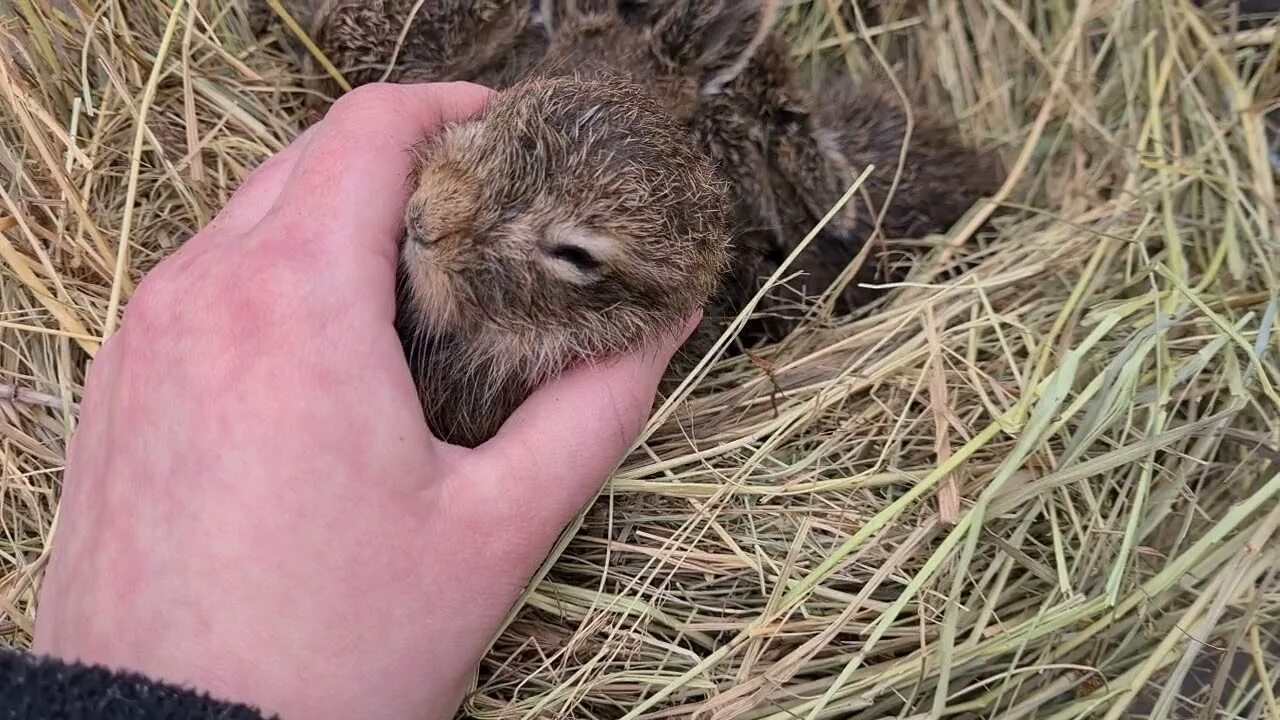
(253,504)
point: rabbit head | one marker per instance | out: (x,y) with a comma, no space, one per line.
(719,68)
(405,40)
(574,220)
(677,50)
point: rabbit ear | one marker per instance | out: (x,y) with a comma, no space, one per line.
(551,13)
(555,13)
(719,37)
(309,14)
(723,48)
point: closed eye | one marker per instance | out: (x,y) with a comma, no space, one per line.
(578,257)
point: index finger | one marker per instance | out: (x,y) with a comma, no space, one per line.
(350,183)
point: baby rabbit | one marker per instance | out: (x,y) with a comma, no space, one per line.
(720,68)
(582,215)
(490,42)
(575,220)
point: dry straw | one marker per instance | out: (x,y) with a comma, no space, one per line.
(1039,480)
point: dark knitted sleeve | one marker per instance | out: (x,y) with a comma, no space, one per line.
(37,688)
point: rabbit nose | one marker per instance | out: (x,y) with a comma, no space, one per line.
(419,236)
(427,228)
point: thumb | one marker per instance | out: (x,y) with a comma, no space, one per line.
(566,439)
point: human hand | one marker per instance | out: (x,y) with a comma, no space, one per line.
(253,504)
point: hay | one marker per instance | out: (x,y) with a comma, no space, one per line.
(1044,487)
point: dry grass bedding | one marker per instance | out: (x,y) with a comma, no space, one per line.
(1038,480)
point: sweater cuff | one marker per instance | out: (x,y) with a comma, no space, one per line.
(40,688)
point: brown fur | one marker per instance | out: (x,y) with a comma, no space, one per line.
(725,80)
(574,221)
(492,42)
(792,158)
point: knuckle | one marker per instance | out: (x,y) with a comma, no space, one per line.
(218,302)
(269,172)
(365,100)
(154,302)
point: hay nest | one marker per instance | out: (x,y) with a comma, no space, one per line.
(1045,487)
